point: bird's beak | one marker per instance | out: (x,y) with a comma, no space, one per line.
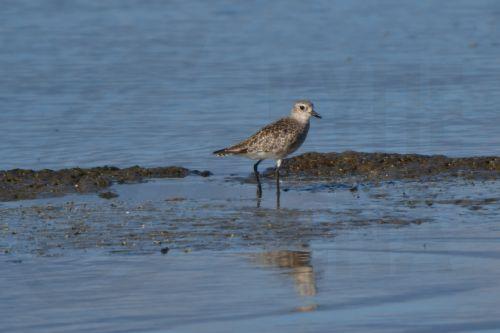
(315,114)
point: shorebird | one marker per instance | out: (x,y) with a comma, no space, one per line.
(275,141)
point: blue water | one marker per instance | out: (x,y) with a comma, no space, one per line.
(122,82)
(87,83)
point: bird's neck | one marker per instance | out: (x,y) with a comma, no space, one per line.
(301,117)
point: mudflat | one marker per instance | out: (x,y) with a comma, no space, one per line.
(29,184)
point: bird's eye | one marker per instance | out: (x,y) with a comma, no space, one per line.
(302,107)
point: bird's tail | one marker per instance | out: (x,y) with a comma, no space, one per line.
(229,151)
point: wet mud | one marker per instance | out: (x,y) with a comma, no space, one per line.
(383,166)
(52,230)
(161,221)
(18,184)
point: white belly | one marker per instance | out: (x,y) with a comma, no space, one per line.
(263,156)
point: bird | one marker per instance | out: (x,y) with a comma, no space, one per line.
(276,140)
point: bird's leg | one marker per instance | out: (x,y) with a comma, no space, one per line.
(256,172)
(278,165)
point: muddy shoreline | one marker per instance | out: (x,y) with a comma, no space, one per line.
(384,166)
(19,184)
(198,214)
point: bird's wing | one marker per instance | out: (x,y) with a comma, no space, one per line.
(273,137)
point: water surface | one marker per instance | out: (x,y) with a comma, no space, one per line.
(403,256)
(126,82)
(88,83)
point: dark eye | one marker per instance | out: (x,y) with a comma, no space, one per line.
(302,107)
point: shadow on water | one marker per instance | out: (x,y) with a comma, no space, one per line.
(297,265)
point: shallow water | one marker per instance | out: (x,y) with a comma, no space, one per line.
(382,286)
(89,83)
(398,256)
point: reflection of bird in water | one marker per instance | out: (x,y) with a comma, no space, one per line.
(275,141)
(299,263)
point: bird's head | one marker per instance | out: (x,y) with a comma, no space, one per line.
(303,110)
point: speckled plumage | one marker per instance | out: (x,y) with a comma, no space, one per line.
(276,140)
